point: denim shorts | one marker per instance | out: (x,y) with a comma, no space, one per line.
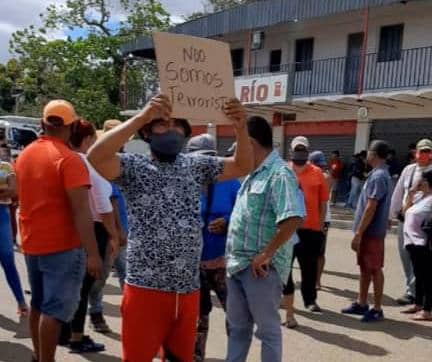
(55,282)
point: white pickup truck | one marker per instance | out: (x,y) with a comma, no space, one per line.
(18,132)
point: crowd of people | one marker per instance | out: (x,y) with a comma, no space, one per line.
(187,227)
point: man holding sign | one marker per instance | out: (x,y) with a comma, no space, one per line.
(161,295)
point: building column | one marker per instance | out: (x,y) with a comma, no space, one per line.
(212,130)
(363,130)
(278,133)
(279,139)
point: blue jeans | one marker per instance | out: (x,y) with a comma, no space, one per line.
(254,301)
(406,263)
(7,258)
(96,293)
(356,188)
(55,282)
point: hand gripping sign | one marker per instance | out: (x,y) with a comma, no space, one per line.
(196,74)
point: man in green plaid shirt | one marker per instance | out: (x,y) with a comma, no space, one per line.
(267,213)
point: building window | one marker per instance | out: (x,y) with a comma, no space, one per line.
(390,46)
(237,61)
(275,60)
(304,54)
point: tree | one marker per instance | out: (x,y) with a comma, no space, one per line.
(88,71)
(10,79)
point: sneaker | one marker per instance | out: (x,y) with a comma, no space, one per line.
(99,324)
(373,315)
(314,308)
(356,309)
(86,345)
(405,300)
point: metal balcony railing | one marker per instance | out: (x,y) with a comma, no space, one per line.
(408,68)
(404,69)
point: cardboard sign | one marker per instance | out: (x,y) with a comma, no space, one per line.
(196,74)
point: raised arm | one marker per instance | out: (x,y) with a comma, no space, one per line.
(242,162)
(103,155)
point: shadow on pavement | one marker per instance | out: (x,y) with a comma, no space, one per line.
(20,328)
(112,310)
(351,295)
(110,289)
(214,360)
(113,335)
(100,357)
(14,352)
(342,275)
(343,341)
(396,329)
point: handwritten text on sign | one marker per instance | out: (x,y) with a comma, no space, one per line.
(196,74)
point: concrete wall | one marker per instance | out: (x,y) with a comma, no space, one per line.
(331,34)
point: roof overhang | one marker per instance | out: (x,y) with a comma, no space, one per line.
(256,15)
(392,100)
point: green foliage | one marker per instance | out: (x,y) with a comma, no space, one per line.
(10,79)
(87,71)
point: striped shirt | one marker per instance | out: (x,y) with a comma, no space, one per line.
(268,196)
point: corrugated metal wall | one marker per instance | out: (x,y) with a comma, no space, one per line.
(328,144)
(401,133)
(260,14)
(265,13)
(223,144)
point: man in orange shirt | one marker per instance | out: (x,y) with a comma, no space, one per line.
(311,233)
(56,227)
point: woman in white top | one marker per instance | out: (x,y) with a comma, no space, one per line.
(83,136)
(419,247)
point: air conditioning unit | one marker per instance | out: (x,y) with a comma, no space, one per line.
(257,40)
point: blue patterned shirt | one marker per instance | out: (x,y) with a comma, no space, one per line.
(165,238)
(268,196)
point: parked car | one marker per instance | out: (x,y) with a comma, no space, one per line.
(18,132)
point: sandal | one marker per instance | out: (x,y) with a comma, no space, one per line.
(422,316)
(290,323)
(413,309)
(23,310)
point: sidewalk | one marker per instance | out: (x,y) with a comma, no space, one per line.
(330,337)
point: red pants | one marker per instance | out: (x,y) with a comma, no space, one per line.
(152,319)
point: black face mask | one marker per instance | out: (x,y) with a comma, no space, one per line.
(300,158)
(166,146)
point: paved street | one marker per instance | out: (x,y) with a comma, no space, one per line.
(327,337)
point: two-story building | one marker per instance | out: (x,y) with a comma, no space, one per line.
(341,72)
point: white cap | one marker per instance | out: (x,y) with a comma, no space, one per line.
(300,141)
